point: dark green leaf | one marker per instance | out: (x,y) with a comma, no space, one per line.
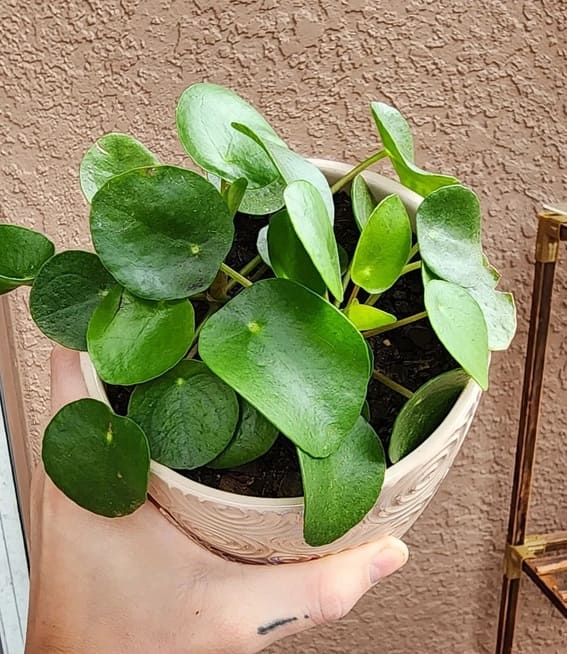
(65,293)
(111,155)
(234,194)
(131,341)
(310,221)
(22,253)
(424,412)
(99,460)
(397,140)
(287,256)
(343,259)
(189,415)
(383,248)
(363,202)
(448,231)
(364,316)
(204,116)
(162,232)
(342,488)
(459,324)
(294,357)
(254,437)
(292,166)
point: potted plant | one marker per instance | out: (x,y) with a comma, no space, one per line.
(254,324)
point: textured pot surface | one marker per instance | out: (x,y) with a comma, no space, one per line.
(263,530)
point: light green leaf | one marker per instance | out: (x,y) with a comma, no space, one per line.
(204,116)
(292,166)
(342,488)
(162,232)
(131,341)
(254,437)
(234,194)
(363,201)
(396,137)
(99,460)
(65,293)
(265,200)
(22,253)
(287,256)
(293,356)
(189,415)
(459,324)
(310,221)
(448,232)
(262,245)
(383,248)
(499,312)
(364,316)
(424,412)
(111,155)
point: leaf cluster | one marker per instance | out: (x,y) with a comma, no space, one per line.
(286,355)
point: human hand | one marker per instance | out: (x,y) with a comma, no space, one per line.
(137,584)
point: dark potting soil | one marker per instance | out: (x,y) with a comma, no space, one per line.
(409,355)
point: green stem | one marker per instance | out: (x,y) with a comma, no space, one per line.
(394,325)
(346,281)
(261,270)
(390,383)
(249,267)
(414,250)
(363,165)
(416,265)
(353,295)
(372,299)
(233,274)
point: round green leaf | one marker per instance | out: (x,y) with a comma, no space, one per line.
(265,200)
(383,248)
(22,253)
(448,232)
(499,311)
(162,232)
(292,166)
(424,412)
(111,155)
(342,488)
(131,341)
(65,293)
(262,245)
(189,415)
(310,221)
(364,316)
(397,139)
(204,116)
(254,437)
(293,356)
(99,460)
(459,324)
(363,201)
(287,256)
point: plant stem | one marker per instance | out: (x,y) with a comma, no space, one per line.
(416,265)
(353,295)
(390,383)
(414,250)
(346,281)
(363,165)
(261,270)
(372,299)
(233,274)
(249,267)
(394,325)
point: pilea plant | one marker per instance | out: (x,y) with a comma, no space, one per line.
(281,347)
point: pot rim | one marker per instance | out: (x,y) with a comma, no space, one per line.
(333,170)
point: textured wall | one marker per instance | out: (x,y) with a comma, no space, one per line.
(481,82)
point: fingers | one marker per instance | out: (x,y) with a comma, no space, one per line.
(67,384)
(283,600)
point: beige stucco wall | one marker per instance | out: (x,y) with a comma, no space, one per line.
(480,81)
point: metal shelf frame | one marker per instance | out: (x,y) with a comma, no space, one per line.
(540,557)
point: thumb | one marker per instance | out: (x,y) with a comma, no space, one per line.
(67,383)
(286,599)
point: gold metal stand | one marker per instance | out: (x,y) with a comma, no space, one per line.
(542,558)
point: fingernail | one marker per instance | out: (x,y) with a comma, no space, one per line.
(389,559)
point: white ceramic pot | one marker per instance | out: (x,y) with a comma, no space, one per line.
(264,530)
